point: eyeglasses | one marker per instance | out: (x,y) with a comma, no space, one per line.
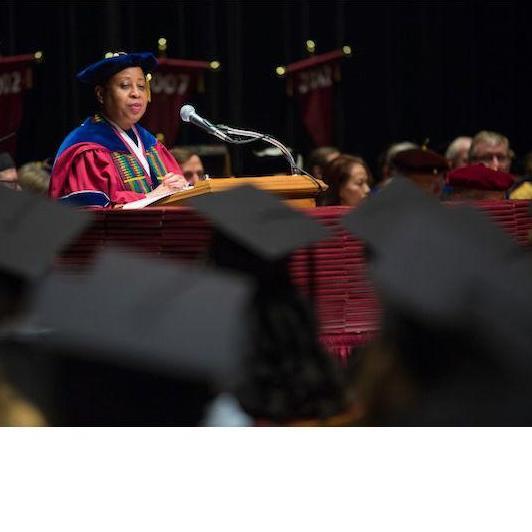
(489,158)
(200,175)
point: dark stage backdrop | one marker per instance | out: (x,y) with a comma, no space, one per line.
(418,70)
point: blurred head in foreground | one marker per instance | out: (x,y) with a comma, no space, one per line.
(454,344)
(106,350)
(288,376)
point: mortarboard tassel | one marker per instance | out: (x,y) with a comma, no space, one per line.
(148,89)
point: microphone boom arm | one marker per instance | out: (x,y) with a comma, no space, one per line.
(266,138)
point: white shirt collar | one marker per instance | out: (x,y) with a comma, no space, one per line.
(136,149)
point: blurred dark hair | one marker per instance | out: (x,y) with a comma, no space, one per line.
(287,375)
(421,375)
(320,157)
(182,155)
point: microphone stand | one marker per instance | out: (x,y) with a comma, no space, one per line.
(266,138)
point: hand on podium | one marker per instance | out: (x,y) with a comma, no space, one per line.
(171,183)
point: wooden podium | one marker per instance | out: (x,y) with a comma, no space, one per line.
(297,190)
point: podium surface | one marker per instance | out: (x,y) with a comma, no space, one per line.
(297,190)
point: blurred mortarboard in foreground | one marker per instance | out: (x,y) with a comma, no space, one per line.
(136,341)
(259,221)
(504,308)
(479,176)
(431,266)
(6,161)
(147,313)
(420,160)
(427,257)
(102,70)
(373,220)
(456,294)
(32,231)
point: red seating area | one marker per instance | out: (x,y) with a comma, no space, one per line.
(333,273)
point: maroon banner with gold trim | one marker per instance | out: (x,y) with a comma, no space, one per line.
(172,84)
(312,81)
(15,79)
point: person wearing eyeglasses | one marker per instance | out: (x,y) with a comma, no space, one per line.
(191,165)
(492,150)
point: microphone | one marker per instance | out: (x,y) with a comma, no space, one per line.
(188,114)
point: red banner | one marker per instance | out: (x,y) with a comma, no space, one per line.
(15,79)
(172,84)
(312,81)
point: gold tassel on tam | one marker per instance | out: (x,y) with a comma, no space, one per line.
(148,90)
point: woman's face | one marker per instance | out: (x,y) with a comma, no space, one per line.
(355,188)
(124,97)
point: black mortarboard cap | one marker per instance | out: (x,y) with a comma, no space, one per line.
(431,265)
(504,309)
(259,221)
(148,314)
(32,231)
(135,341)
(373,220)
(102,70)
(426,256)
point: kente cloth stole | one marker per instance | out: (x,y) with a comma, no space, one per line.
(132,173)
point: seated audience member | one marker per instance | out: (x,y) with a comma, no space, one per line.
(8,172)
(492,150)
(34,177)
(319,158)
(348,178)
(477,182)
(191,165)
(426,168)
(458,152)
(386,160)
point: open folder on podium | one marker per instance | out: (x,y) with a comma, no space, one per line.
(297,190)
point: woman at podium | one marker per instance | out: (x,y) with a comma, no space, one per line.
(110,159)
